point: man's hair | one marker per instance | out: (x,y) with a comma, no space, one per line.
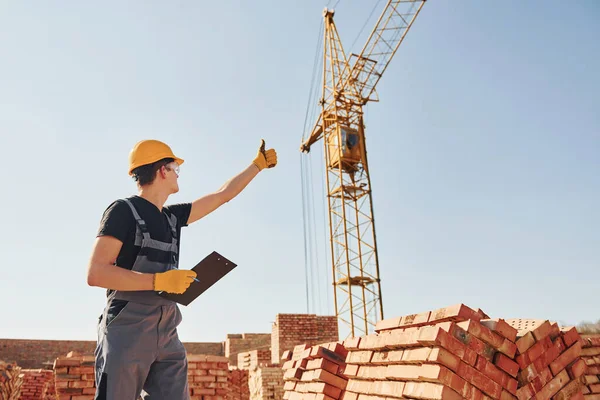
(145,174)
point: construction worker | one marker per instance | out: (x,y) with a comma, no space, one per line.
(135,256)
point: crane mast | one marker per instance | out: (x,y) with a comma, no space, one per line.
(347,86)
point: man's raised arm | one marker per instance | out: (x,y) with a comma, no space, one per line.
(209,203)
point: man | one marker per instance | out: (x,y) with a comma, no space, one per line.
(135,256)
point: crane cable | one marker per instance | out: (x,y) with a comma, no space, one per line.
(306,181)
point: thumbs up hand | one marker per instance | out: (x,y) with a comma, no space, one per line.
(265,158)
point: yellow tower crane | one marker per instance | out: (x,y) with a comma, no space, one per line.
(348,85)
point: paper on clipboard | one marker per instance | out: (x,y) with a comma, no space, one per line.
(208,271)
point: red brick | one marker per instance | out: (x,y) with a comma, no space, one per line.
(415,319)
(501,327)
(566,358)
(329,378)
(552,387)
(322,352)
(577,368)
(426,390)
(372,341)
(525,393)
(579,396)
(444,357)
(293,374)
(592,341)
(358,386)
(540,380)
(399,339)
(350,370)
(386,388)
(480,381)
(507,396)
(570,336)
(384,357)
(439,337)
(541,331)
(352,343)
(415,355)
(339,349)
(287,355)
(359,357)
(506,364)
(485,334)
(497,375)
(322,396)
(414,372)
(322,387)
(325,364)
(455,313)
(570,390)
(289,385)
(387,324)
(348,396)
(525,342)
(372,372)
(529,356)
(473,342)
(591,352)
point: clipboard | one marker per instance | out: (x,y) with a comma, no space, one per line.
(208,271)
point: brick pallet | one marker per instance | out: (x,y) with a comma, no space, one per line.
(11,381)
(38,384)
(238,385)
(208,377)
(290,330)
(74,377)
(590,353)
(252,359)
(315,372)
(448,353)
(266,383)
(549,359)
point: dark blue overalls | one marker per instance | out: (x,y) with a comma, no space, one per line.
(138,350)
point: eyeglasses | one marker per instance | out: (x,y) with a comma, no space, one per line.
(173,167)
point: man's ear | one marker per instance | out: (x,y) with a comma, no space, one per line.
(161,172)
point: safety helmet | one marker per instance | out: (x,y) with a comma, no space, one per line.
(149,151)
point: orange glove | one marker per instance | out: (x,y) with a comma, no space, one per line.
(265,158)
(173,281)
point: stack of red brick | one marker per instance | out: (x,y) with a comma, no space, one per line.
(549,359)
(442,354)
(38,384)
(208,377)
(460,353)
(238,385)
(266,383)
(590,353)
(315,372)
(289,330)
(11,381)
(250,360)
(74,377)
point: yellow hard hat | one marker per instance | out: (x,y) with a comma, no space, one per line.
(149,151)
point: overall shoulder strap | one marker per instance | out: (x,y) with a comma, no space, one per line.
(139,221)
(172,219)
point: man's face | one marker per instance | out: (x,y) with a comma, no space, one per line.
(171,176)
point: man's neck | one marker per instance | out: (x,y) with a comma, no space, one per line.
(154,196)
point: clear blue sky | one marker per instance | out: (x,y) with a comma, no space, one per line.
(484,153)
